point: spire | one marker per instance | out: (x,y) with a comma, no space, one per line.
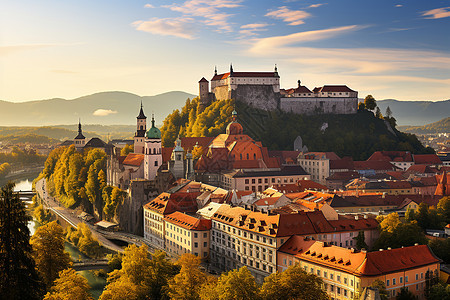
(231,69)
(276,69)
(441,189)
(141,113)
(153,120)
(299,83)
(79,126)
(234,115)
(215,70)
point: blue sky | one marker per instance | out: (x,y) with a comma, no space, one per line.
(390,49)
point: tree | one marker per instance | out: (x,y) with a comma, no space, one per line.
(378,284)
(444,209)
(140,277)
(388,112)
(410,215)
(378,113)
(360,240)
(43,216)
(390,222)
(361,106)
(49,253)
(441,248)
(69,286)
(127,150)
(422,216)
(83,239)
(405,294)
(405,234)
(19,278)
(439,292)
(237,284)
(369,102)
(294,283)
(186,284)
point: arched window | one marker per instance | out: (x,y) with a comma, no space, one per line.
(154,150)
(142,127)
(254,155)
(240,155)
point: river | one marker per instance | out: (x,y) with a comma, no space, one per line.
(96,283)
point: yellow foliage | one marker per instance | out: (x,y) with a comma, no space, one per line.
(69,286)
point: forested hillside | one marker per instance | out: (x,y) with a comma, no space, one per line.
(357,135)
(441,126)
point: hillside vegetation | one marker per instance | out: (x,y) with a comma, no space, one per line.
(357,135)
(441,126)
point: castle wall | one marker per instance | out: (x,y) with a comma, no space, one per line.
(222,93)
(258,96)
(319,105)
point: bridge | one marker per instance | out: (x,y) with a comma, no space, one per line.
(26,195)
(83,265)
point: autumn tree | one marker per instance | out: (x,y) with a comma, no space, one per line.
(140,277)
(237,284)
(69,286)
(378,113)
(293,283)
(186,284)
(390,223)
(370,103)
(127,150)
(439,291)
(42,215)
(404,234)
(48,251)
(112,198)
(378,284)
(19,278)
(82,238)
(444,209)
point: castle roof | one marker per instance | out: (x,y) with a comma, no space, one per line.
(134,159)
(244,74)
(141,114)
(333,88)
(203,80)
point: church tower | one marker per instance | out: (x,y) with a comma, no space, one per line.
(141,128)
(79,140)
(152,152)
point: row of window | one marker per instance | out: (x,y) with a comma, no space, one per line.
(243,233)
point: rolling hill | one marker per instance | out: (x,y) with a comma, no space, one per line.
(442,126)
(104,108)
(416,113)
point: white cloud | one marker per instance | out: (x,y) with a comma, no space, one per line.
(437,13)
(179,27)
(252,29)
(209,11)
(399,5)
(148,5)
(292,17)
(104,112)
(273,44)
(316,5)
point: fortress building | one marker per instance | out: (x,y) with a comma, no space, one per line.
(262,90)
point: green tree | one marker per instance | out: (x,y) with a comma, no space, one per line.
(378,284)
(444,209)
(405,294)
(405,234)
(388,112)
(49,253)
(378,113)
(441,248)
(360,240)
(410,215)
(19,278)
(186,284)
(69,286)
(294,283)
(237,284)
(361,106)
(370,103)
(43,216)
(439,292)
(422,216)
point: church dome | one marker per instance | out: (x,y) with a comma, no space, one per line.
(153,133)
(234,128)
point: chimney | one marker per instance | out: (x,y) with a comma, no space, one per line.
(416,244)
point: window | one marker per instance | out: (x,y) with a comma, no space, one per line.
(417,276)
(156,163)
(325,274)
(345,293)
(401,279)
(196,245)
(406,279)
(338,278)
(393,281)
(331,276)
(195,235)
(205,244)
(318,272)
(387,282)
(338,290)
(205,234)
(345,281)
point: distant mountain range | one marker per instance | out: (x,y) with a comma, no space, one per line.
(112,108)
(106,108)
(416,113)
(442,126)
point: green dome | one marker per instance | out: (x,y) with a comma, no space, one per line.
(153,133)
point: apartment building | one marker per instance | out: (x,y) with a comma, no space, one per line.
(187,234)
(346,272)
(317,164)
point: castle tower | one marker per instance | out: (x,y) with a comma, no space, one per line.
(152,152)
(177,165)
(79,140)
(141,128)
(189,166)
(203,86)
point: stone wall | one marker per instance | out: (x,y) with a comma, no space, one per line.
(258,96)
(312,106)
(222,93)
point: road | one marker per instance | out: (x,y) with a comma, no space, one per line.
(69,215)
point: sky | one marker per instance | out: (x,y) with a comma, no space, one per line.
(391,49)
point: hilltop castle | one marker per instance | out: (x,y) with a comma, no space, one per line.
(262,90)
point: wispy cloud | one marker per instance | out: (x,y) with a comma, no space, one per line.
(437,13)
(398,5)
(148,5)
(178,27)
(273,44)
(209,11)
(316,5)
(104,112)
(252,29)
(292,17)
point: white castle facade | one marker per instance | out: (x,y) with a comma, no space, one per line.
(262,90)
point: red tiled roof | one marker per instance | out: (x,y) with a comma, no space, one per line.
(335,88)
(392,156)
(134,159)
(266,201)
(374,165)
(203,80)
(300,186)
(427,159)
(166,153)
(301,89)
(243,74)
(187,221)
(422,169)
(359,263)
